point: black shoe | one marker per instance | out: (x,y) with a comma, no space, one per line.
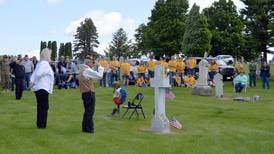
(114,111)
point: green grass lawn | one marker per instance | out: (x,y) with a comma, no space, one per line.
(210,125)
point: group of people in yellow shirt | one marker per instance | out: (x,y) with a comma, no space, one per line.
(176,67)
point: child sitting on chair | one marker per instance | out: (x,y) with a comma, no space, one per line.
(119,97)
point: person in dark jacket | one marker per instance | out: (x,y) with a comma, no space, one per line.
(19,73)
(265,75)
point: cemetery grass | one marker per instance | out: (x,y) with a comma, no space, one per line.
(209,125)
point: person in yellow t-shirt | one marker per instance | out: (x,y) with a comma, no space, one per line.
(190,81)
(213,68)
(180,67)
(191,64)
(114,66)
(178,80)
(140,82)
(172,70)
(141,70)
(104,63)
(239,67)
(125,71)
(150,67)
(163,62)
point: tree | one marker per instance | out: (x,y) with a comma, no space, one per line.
(85,39)
(139,45)
(68,49)
(119,46)
(197,36)
(61,50)
(166,27)
(54,50)
(258,16)
(226,28)
(43,45)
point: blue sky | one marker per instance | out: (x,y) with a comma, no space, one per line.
(24,23)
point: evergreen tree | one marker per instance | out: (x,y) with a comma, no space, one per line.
(166,27)
(226,28)
(259,17)
(49,45)
(85,39)
(61,50)
(43,45)
(68,49)
(197,36)
(119,46)
(54,50)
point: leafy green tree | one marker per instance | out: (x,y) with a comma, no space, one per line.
(43,45)
(226,28)
(259,17)
(86,39)
(197,36)
(120,45)
(166,27)
(139,45)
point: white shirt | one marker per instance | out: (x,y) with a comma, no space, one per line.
(91,74)
(42,77)
(117,93)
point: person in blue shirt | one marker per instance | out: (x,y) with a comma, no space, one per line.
(265,75)
(240,82)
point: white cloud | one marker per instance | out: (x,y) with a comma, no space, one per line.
(106,23)
(55,1)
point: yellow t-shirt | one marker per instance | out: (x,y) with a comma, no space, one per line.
(151,65)
(191,62)
(114,65)
(125,68)
(180,66)
(141,69)
(172,65)
(190,80)
(164,63)
(140,82)
(104,64)
(213,67)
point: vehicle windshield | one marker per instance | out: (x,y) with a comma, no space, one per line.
(221,63)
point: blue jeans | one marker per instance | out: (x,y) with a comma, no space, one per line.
(171,78)
(27,80)
(265,82)
(103,80)
(150,74)
(114,77)
(239,87)
(12,83)
(211,75)
(191,71)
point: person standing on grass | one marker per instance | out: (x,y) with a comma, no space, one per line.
(41,82)
(252,73)
(19,73)
(265,75)
(87,75)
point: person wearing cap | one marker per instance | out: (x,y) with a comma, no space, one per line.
(19,73)
(87,75)
(41,83)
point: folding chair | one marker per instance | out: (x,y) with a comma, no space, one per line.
(246,84)
(135,105)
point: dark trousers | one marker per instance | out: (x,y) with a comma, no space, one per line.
(19,87)
(239,87)
(12,83)
(42,99)
(89,105)
(103,80)
(265,82)
(252,79)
